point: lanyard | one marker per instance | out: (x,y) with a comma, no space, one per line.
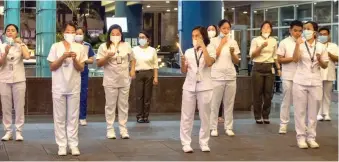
(196,57)
(308,50)
(117,48)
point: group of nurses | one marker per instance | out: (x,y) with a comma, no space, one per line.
(13,81)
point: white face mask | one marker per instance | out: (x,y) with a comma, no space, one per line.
(115,39)
(79,38)
(195,43)
(265,35)
(308,34)
(70,38)
(211,34)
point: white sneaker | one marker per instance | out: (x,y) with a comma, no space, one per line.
(313,144)
(83,122)
(327,118)
(229,132)
(18,136)
(62,151)
(205,148)
(75,151)
(8,136)
(302,144)
(320,117)
(283,129)
(124,135)
(111,134)
(214,133)
(187,149)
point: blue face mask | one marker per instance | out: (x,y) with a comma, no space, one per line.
(9,41)
(221,35)
(323,39)
(142,42)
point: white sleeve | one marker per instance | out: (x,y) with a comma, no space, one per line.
(236,47)
(253,46)
(212,51)
(101,51)
(52,56)
(84,54)
(155,59)
(281,51)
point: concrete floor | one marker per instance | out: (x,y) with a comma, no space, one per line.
(159,141)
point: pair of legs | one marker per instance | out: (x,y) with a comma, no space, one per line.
(83,95)
(189,101)
(324,110)
(144,87)
(306,101)
(285,105)
(223,91)
(13,94)
(116,97)
(66,121)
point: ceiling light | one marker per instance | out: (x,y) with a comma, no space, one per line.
(245,12)
(266,10)
(255,11)
(175,9)
(168,10)
(232,8)
(167,1)
(148,6)
(314,3)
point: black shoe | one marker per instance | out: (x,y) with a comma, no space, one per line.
(266,121)
(146,120)
(259,121)
(140,120)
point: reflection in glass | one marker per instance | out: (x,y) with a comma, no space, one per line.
(322,12)
(335,34)
(335,11)
(272,15)
(286,15)
(304,12)
(243,15)
(258,18)
(229,14)
(285,32)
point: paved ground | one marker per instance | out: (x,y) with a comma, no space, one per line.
(159,141)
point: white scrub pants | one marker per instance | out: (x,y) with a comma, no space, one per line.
(223,91)
(306,101)
(13,93)
(116,97)
(189,101)
(286,102)
(327,96)
(66,119)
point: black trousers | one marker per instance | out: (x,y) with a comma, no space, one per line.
(262,87)
(144,87)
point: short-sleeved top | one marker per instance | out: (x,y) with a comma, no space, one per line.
(66,79)
(191,83)
(89,52)
(13,70)
(286,49)
(223,68)
(328,74)
(116,75)
(146,58)
(267,54)
(308,73)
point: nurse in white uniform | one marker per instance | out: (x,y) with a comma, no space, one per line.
(116,56)
(67,60)
(13,81)
(197,89)
(285,56)
(310,56)
(224,78)
(328,75)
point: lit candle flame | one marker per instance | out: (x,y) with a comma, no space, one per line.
(181,53)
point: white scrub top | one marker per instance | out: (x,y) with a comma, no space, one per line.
(286,49)
(13,70)
(328,74)
(116,75)
(66,79)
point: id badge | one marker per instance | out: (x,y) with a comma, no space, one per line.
(273,71)
(11,67)
(65,64)
(198,77)
(119,60)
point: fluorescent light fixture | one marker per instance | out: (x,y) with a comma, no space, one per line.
(255,11)
(232,8)
(175,9)
(148,6)
(315,3)
(245,12)
(167,1)
(168,10)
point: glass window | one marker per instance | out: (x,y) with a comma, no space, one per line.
(229,14)
(335,34)
(272,15)
(242,15)
(304,12)
(258,18)
(322,12)
(286,15)
(285,32)
(335,11)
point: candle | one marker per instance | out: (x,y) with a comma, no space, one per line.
(181,53)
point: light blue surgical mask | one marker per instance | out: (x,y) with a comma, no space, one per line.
(9,41)
(221,35)
(323,38)
(308,34)
(142,42)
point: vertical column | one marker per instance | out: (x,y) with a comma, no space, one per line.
(12,12)
(45,34)
(133,13)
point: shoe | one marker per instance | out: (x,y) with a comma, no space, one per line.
(302,144)
(187,149)
(83,122)
(313,144)
(229,132)
(205,148)
(62,151)
(111,134)
(214,133)
(18,136)
(320,118)
(124,135)
(75,151)
(327,118)
(146,120)
(266,121)
(8,136)
(283,129)
(220,120)
(140,120)
(259,121)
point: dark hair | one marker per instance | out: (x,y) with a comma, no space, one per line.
(146,34)
(80,28)
(296,23)
(325,28)
(108,39)
(216,29)
(16,28)
(314,24)
(222,22)
(203,32)
(68,24)
(269,23)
